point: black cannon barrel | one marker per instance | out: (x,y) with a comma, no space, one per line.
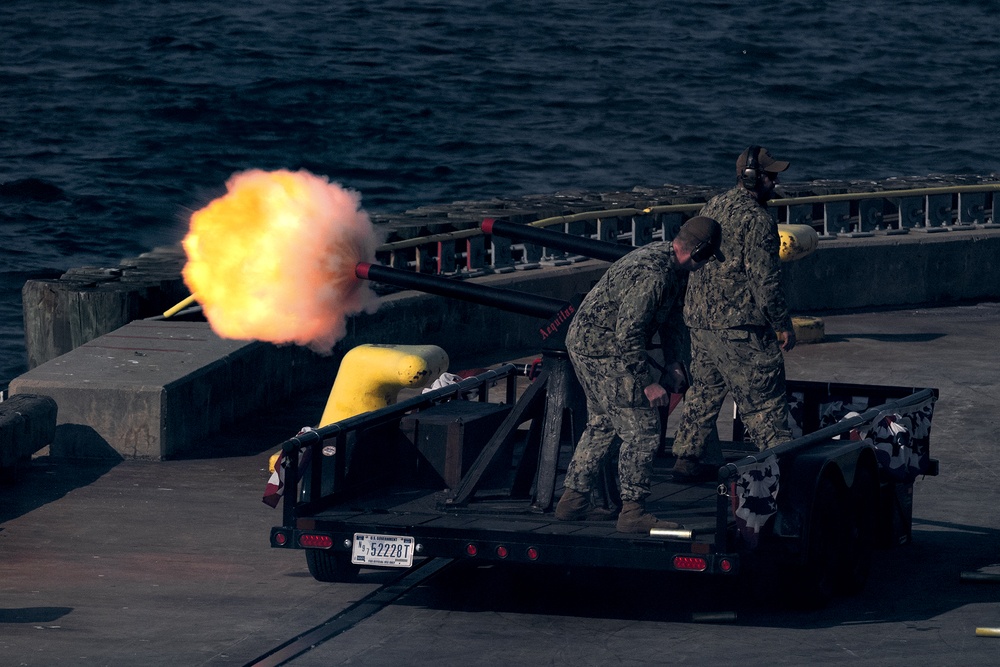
(550,238)
(497,297)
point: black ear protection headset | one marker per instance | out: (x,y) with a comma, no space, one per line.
(751,171)
(703,251)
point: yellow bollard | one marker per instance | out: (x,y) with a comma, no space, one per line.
(371,377)
(797,241)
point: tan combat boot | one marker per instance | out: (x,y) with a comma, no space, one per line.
(635,519)
(576,506)
(689,470)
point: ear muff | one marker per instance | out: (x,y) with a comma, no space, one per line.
(702,252)
(751,172)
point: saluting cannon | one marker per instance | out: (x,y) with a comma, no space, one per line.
(556,311)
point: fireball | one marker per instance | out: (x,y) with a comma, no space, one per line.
(273,259)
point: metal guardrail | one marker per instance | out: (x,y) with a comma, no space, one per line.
(465,253)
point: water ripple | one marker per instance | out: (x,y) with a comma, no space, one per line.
(120,118)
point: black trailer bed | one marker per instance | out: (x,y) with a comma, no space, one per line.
(509,530)
(692,505)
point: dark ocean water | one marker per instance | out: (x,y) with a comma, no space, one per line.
(117,119)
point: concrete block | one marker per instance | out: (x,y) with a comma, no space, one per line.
(159,389)
(27,424)
(87,302)
(895,271)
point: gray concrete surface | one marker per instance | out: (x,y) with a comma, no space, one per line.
(167,563)
(159,389)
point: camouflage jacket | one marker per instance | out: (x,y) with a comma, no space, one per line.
(745,289)
(638,296)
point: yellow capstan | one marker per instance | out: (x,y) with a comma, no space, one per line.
(371,377)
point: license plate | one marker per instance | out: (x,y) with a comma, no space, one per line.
(382,550)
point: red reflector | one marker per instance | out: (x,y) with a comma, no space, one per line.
(502,551)
(726,565)
(692,563)
(316,541)
(280,539)
(532,553)
(471,549)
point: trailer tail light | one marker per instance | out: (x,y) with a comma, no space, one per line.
(532,553)
(690,563)
(726,565)
(314,541)
(471,549)
(281,537)
(502,551)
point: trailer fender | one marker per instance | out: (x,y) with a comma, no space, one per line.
(837,460)
(824,511)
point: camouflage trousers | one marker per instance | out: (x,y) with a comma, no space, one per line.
(747,364)
(618,415)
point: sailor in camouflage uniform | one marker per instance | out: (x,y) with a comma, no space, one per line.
(639,295)
(739,325)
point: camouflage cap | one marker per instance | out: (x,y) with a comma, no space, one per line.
(705,234)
